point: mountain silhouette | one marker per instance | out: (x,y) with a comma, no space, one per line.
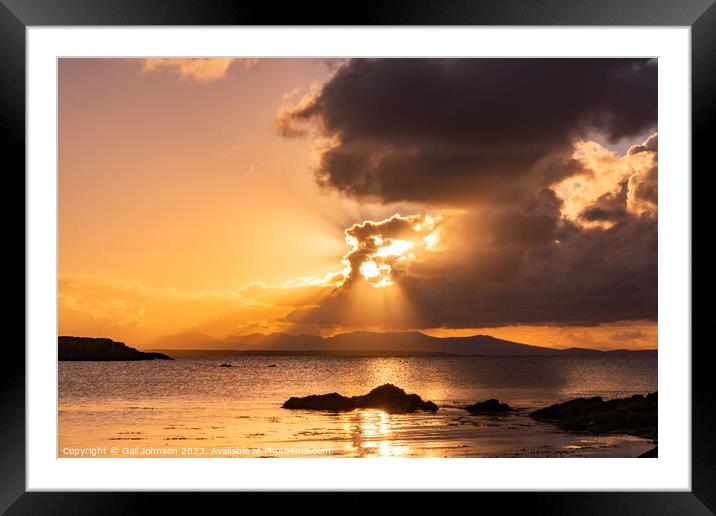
(366,342)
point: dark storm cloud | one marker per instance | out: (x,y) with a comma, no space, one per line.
(525,264)
(610,207)
(583,277)
(495,138)
(535,223)
(647,190)
(460,130)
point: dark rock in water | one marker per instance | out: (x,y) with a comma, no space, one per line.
(393,399)
(86,348)
(332,401)
(387,397)
(225,365)
(636,415)
(491,406)
(651,454)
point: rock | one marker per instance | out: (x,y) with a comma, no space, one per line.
(636,415)
(387,397)
(271,365)
(225,365)
(393,399)
(651,454)
(491,406)
(86,348)
(332,401)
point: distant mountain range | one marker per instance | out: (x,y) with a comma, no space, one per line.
(361,343)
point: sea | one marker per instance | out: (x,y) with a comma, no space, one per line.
(194,407)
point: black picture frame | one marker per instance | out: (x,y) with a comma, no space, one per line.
(17,15)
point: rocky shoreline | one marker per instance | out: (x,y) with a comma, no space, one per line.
(635,416)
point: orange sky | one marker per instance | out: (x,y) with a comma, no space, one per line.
(182,208)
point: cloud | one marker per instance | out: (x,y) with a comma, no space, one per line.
(608,186)
(114,311)
(333,63)
(578,254)
(650,145)
(629,335)
(643,195)
(378,248)
(552,273)
(201,70)
(135,312)
(582,277)
(632,335)
(547,226)
(447,131)
(285,120)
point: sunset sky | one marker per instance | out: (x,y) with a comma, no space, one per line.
(510,197)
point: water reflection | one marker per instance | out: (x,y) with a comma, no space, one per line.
(372,434)
(194,402)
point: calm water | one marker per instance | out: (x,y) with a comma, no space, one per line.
(193,407)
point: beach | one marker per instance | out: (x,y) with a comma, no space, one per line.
(194,407)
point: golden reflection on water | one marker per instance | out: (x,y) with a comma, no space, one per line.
(395,370)
(371,434)
(194,403)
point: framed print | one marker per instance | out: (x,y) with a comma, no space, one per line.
(422,249)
